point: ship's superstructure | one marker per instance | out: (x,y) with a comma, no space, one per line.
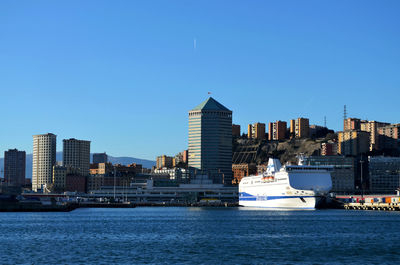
(289,187)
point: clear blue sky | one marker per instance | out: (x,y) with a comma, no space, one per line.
(124,74)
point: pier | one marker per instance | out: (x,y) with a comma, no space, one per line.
(371,202)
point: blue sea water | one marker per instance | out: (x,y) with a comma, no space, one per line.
(200,236)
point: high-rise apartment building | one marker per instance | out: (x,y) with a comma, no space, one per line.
(235,130)
(44,158)
(329,149)
(389,136)
(14,167)
(300,128)
(372,127)
(76,154)
(100,158)
(210,140)
(351,124)
(353,142)
(277,130)
(165,161)
(256,131)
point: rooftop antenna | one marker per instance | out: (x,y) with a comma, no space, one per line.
(325,121)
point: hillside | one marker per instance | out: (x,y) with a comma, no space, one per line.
(258,152)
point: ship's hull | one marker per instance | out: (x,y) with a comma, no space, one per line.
(280,202)
(299,187)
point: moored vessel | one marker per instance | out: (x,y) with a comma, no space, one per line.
(286,187)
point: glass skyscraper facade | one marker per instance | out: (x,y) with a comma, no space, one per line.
(210,140)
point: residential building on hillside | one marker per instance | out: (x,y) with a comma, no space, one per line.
(210,140)
(389,136)
(235,130)
(351,124)
(300,128)
(14,167)
(372,127)
(256,131)
(353,142)
(44,158)
(329,149)
(277,130)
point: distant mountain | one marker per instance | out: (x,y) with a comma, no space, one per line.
(114,160)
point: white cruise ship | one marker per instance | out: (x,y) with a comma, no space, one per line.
(286,187)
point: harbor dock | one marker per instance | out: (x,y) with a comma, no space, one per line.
(371,202)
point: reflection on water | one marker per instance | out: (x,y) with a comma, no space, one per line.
(199,235)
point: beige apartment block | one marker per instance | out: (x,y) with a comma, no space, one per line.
(353,142)
(300,128)
(44,158)
(256,131)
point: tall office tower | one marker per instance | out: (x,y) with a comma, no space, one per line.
(100,158)
(277,130)
(300,128)
(256,131)
(76,154)
(210,140)
(14,167)
(44,158)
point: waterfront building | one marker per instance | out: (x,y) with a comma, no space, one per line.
(180,175)
(14,167)
(329,149)
(344,174)
(75,183)
(353,142)
(165,161)
(163,190)
(242,170)
(277,130)
(300,128)
(76,154)
(100,158)
(44,158)
(256,131)
(59,178)
(389,136)
(235,130)
(384,174)
(210,140)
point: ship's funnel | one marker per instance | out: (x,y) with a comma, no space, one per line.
(274,165)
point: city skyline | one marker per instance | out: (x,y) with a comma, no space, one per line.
(70,72)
